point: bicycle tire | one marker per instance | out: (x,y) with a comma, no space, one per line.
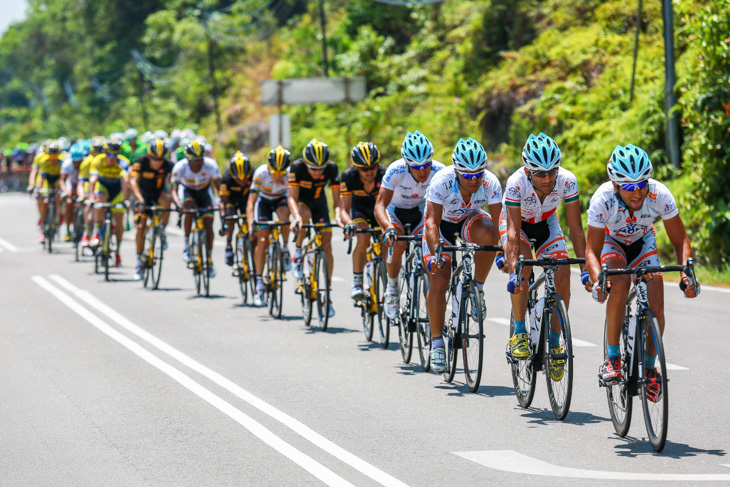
(620,400)
(379,282)
(366,311)
(524,373)
(196,260)
(248,251)
(656,414)
(472,338)
(205,263)
(560,392)
(238,264)
(449,335)
(157,255)
(306,295)
(423,327)
(274,285)
(50,227)
(107,248)
(405,315)
(323,292)
(78,232)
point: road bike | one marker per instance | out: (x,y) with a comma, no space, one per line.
(78,233)
(554,360)
(315,285)
(274,274)
(153,248)
(372,305)
(108,240)
(243,267)
(640,327)
(199,252)
(50,226)
(464,328)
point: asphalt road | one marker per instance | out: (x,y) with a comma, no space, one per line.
(111,384)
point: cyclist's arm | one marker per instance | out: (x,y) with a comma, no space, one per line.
(125,190)
(680,241)
(134,184)
(222,202)
(575,226)
(217,185)
(595,239)
(92,184)
(514,227)
(337,204)
(62,183)
(346,206)
(80,189)
(294,204)
(175,196)
(384,198)
(31,177)
(250,217)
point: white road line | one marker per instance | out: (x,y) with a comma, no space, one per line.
(675,367)
(288,421)
(500,321)
(576,341)
(337,279)
(7,245)
(312,466)
(514,462)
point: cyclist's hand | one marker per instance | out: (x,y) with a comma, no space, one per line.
(127,204)
(389,236)
(223,229)
(432,266)
(512,286)
(598,293)
(690,291)
(349,230)
(585,278)
(252,235)
(500,262)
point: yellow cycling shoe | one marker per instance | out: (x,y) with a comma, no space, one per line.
(557,366)
(518,346)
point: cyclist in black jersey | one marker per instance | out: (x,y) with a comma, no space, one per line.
(307,201)
(359,187)
(150,183)
(235,186)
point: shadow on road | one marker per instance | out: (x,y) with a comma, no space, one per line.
(458,389)
(375,346)
(314,328)
(212,296)
(546,416)
(632,447)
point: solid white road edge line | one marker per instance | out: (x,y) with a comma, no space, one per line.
(309,464)
(288,421)
(514,462)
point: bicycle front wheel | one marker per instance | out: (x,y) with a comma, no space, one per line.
(559,363)
(156,263)
(107,249)
(654,397)
(322,286)
(423,326)
(51,228)
(196,261)
(205,261)
(274,285)
(450,338)
(524,375)
(619,398)
(379,281)
(405,315)
(472,337)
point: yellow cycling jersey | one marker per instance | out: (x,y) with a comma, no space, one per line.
(85,167)
(46,167)
(107,174)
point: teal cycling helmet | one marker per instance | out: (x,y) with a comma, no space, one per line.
(77,152)
(541,153)
(416,149)
(469,156)
(629,164)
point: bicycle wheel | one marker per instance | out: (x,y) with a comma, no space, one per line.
(306,293)
(450,337)
(472,338)
(156,264)
(423,326)
(240,269)
(107,248)
(559,364)
(78,232)
(369,308)
(524,375)
(322,286)
(379,282)
(248,252)
(405,315)
(205,261)
(196,261)
(619,398)
(655,404)
(51,227)
(273,271)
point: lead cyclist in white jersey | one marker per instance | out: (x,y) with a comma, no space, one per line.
(620,234)
(401,201)
(529,220)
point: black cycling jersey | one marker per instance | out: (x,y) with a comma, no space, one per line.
(237,194)
(150,181)
(309,188)
(353,185)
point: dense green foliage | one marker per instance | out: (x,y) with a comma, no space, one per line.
(493,69)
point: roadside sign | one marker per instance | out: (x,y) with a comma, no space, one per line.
(302,91)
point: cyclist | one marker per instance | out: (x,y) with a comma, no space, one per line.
(269,194)
(454,209)
(529,220)
(108,184)
(235,186)
(96,148)
(307,200)
(150,185)
(621,234)
(401,202)
(129,147)
(69,183)
(360,184)
(49,177)
(195,174)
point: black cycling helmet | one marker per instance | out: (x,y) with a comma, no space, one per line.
(279,159)
(97,146)
(195,150)
(365,154)
(53,148)
(113,146)
(240,166)
(316,154)
(157,149)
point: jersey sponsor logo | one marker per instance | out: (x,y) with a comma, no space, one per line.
(148,175)
(515,191)
(570,186)
(652,195)
(669,207)
(531,200)
(305,184)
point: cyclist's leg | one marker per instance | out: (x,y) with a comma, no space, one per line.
(165,201)
(555,248)
(141,219)
(230,211)
(69,213)
(655,286)
(479,229)
(306,215)
(283,213)
(436,305)
(118,215)
(398,248)
(259,253)
(359,254)
(327,246)
(101,196)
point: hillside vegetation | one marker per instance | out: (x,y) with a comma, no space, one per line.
(493,69)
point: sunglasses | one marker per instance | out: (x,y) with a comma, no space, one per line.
(544,174)
(634,186)
(278,173)
(316,169)
(470,176)
(196,159)
(112,156)
(420,167)
(368,169)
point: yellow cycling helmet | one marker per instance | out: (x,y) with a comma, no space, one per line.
(316,154)
(279,159)
(365,154)
(157,149)
(195,150)
(240,166)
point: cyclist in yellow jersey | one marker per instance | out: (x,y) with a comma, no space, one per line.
(97,147)
(108,183)
(34,179)
(49,174)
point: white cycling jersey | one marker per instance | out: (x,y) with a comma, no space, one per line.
(608,212)
(444,190)
(407,192)
(182,174)
(520,192)
(265,186)
(72,173)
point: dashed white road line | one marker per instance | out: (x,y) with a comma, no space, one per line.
(7,245)
(514,462)
(295,425)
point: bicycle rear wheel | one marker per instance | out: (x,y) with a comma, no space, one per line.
(379,280)
(472,338)
(107,249)
(78,232)
(559,363)
(196,259)
(322,285)
(248,252)
(405,315)
(620,401)
(51,227)
(524,375)
(205,261)
(423,326)
(655,403)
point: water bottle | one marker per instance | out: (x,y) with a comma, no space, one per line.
(632,333)
(369,273)
(455,301)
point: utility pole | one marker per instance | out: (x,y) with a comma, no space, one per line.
(211,73)
(670,77)
(324,38)
(636,52)
(143,99)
